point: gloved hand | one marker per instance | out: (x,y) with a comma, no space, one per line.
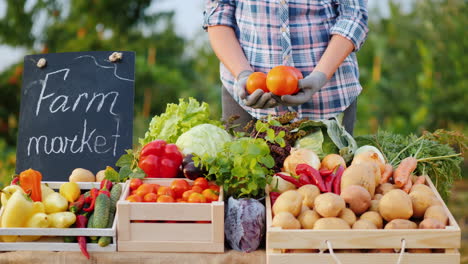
(308,87)
(257,99)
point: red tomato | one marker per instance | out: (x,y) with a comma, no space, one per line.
(282,80)
(214,188)
(196,198)
(202,182)
(135,183)
(165,190)
(165,199)
(186,194)
(144,189)
(134,199)
(179,186)
(150,198)
(155,187)
(256,80)
(210,195)
(197,189)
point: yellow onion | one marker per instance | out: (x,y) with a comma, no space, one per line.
(300,156)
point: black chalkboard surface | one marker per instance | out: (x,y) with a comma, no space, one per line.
(76,112)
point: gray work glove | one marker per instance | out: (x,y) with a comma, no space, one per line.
(308,86)
(257,99)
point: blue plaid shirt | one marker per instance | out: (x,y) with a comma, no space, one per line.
(295,33)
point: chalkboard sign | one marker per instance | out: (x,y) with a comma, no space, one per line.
(76,112)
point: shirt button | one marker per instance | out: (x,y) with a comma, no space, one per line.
(283,2)
(283,29)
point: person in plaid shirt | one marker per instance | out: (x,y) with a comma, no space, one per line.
(319,37)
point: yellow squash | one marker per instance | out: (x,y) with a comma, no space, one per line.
(55,203)
(37,220)
(61,220)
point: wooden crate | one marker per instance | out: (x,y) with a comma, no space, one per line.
(180,236)
(446,240)
(52,238)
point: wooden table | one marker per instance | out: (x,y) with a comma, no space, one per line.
(36,257)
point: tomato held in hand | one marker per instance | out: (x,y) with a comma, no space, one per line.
(256,80)
(179,186)
(135,183)
(282,80)
(150,198)
(202,182)
(210,195)
(196,198)
(297,72)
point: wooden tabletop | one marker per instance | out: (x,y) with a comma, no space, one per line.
(36,257)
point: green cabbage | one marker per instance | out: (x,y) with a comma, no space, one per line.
(205,139)
(178,119)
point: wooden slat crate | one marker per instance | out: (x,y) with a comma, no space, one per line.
(178,236)
(446,240)
(52,238)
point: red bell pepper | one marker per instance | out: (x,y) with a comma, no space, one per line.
(93,195)
(160,160)
(273,197)
(106,184)
(77,205)
(313,174)
(30,181)
(337,180)
(81,222)
(15,181)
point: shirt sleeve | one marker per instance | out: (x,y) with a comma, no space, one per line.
(351,22)
(219,12)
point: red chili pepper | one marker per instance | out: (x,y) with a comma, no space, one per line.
(106,184)
(289,178)
(160,160)
(337,180)
(273,197)
(328,180)
(15,181)
(94,194)
(313,174)
(304,179)
(104,191)
(81,222)
(325,172)
(77,205)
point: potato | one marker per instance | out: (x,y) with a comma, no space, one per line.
(401,224)
(385,188)
(373,217)
(329,204)
(419,250)
(369,157)
(286,220)
(396,204)
(374,205)
(357,197)
(100,175)
(308,219)
(304,208)
(81,175)
(421,197)
(331,223)
(359,174)
(309,192)
(431,223)
(378,196)
(364,224)
(347,215)
(289,201)
(436,212)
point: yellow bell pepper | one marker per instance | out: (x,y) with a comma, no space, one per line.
(16,213)
(8,191)
(38,207)
(45,191)
(62,219)
(70,190)
(55,203)
(37,220)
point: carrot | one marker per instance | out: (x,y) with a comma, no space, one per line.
(388,172)
(407,186)
(420,180)
(402,173)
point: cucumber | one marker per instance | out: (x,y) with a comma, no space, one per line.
(115,195)
(101,211)
(69,239)
(93,239)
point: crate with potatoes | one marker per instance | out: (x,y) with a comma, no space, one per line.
(382,206)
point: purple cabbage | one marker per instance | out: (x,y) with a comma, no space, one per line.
(244,224)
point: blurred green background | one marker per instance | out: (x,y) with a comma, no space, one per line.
(413,66)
